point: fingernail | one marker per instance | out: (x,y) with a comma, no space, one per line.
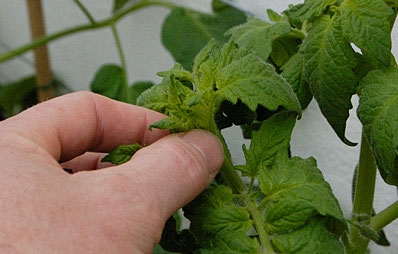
(210,147)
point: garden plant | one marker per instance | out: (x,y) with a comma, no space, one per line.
(236,69)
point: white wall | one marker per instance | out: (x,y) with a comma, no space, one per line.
(75,60)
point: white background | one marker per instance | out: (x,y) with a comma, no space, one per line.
(76,58)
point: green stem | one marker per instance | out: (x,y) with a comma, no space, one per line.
(85,11)
(100,24)
(260,227)
(120,51)
(385,217)
(364,194)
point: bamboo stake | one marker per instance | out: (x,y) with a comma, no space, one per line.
(44,78)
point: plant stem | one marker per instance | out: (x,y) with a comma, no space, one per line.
(385,217)
(260,227)
(364,194)
(100,24)
(121,55)
(85,11)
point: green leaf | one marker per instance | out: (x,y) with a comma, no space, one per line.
(138,88)
(159,250)
(255,83)
(312,238)
(156,97)
(175,240)
(310,10)
(17,96)
(293,72)
(328,59)
(273,136)
(378,112)
(283,48)
(257,35)
(122,154)
(218,223)
(177,72)
(366,23)
(109,81)
(296,191)
(218,5)
(185,32)
(273,16)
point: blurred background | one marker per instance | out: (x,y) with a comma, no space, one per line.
(75,60)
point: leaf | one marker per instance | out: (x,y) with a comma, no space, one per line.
(328,59)
(273,16)
(159,250)
(312,238)
(257,35)
(17,96)
(109,81)
(293,72)
(296,191)
(255,83)
(283,48)
(138,88)
(218,223)
(366,23)
(122,154)
(378,112)
(310,10)
(175,240)
(273,136)
(185,32)
(156,97)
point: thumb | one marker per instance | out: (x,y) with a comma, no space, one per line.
(175,169)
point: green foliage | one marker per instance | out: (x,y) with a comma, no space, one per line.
(328,62)
(119,4)
(186,32)
(138,88)
(378,112)
(122,154)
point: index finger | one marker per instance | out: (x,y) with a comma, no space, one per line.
(72,124)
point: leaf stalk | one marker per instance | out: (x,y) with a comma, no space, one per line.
(385,217)
(85,11)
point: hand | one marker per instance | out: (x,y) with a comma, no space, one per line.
(100,208)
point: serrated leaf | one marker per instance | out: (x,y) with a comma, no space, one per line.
(257,35)
(255,83)
(273,16)
(231,242)
(122,154)
(309,10)
(230,218)
(366,23)
(378,112)
(185,33)
(138,88)
(156,97)
(109,81)
(312,238)
(328,62)
(273,136)
(296,191)
(178,73)
(293,72)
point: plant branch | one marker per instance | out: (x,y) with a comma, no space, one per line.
(85,11)
(121,53)
(385,217)
(100,24)
(364,194)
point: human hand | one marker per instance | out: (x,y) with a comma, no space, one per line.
(114,209)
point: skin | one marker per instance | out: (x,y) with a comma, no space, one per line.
(100,208)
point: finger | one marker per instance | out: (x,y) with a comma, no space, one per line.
(169,173)
(70,125)
(87,162)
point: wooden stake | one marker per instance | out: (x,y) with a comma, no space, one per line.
(44,78)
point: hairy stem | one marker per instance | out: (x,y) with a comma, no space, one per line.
(364,194)
(85,27)
(259,225)
(385,217)
(85,11)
